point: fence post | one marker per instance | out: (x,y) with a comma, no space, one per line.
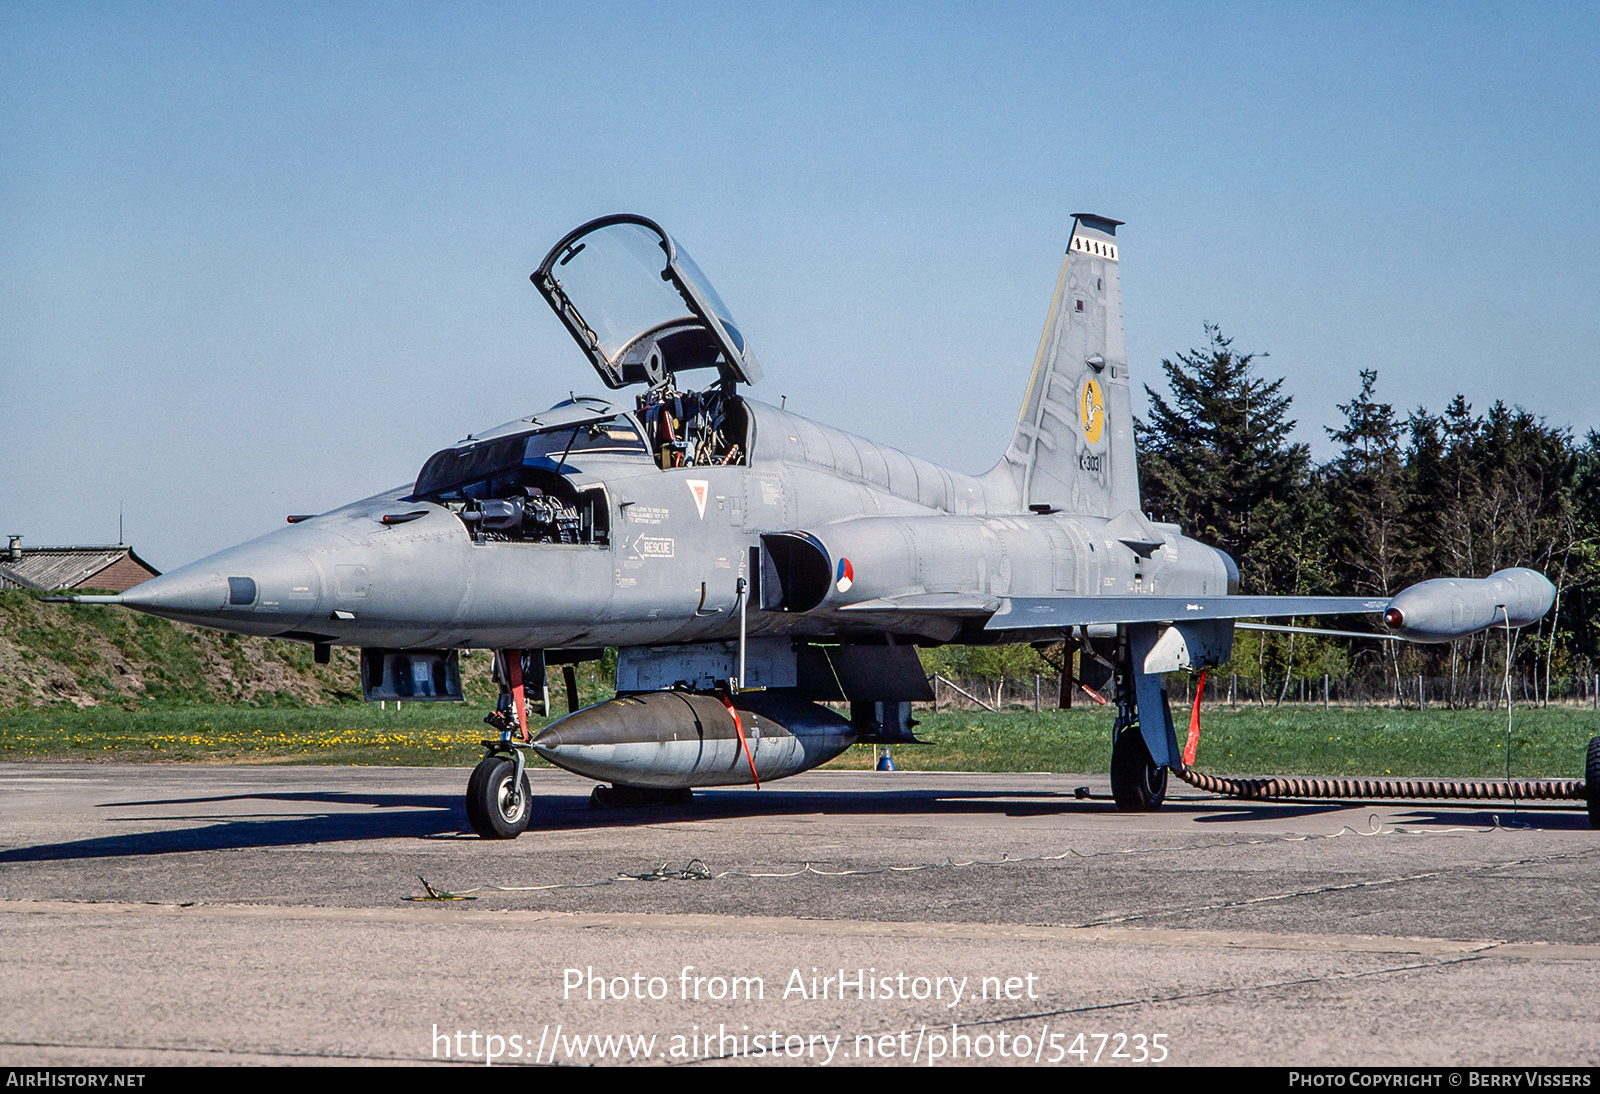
(1421,700)
(1233,692)
(1324,692)
(1036,686)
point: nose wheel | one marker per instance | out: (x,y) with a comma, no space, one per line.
(499,800)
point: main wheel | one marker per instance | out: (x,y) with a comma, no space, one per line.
(1591,779)
(1137,784)
(496,808)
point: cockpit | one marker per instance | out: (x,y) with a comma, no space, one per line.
(518,487)
(643,312)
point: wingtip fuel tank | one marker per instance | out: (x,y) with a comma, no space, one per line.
(1448,608)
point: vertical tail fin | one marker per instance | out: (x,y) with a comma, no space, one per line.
(1073,449)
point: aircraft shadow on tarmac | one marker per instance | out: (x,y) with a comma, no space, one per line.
(1537,817)
(443,816)
(1540,817)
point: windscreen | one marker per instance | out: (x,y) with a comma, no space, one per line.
(490,468)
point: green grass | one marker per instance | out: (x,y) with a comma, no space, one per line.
(1370,741)
(426,734)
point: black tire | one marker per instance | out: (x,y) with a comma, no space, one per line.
(1591,781)
(1137,784)
(492,809)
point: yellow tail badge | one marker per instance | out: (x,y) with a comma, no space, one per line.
(1092,411)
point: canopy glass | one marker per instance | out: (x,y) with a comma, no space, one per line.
(639,306)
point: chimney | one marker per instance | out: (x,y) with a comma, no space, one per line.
(15,550)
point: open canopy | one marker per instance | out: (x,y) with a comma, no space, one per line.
(639,306)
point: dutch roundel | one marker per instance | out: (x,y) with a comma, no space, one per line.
(845,576)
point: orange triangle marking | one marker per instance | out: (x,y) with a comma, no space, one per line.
(699,488)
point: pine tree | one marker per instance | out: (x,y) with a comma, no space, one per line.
(1583,615)
(1368,495)
(1369,500)
(1217,459)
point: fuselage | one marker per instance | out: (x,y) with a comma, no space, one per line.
(670,547)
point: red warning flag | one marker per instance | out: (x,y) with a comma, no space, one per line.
(1194,722)
(738,727)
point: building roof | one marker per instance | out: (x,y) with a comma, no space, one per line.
(9,580)
(63,567)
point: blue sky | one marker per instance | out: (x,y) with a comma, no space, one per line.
(262,259)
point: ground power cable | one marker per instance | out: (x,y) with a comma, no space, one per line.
(1283,786)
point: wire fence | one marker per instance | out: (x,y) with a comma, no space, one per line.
(1407,691)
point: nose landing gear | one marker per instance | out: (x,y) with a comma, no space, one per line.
(498,795)
(499,800)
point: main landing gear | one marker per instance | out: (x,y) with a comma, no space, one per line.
(1137,784)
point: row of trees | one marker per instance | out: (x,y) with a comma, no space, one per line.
(1405,498)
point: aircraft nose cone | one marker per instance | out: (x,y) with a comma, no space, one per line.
(181,591)
(258,588)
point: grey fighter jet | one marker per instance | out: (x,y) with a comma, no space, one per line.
(749,564)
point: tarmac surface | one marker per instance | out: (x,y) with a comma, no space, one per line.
(219,915)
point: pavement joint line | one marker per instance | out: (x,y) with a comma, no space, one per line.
(695,923)
(202,1050)
(1375,828)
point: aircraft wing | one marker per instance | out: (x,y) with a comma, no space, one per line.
(959,604)
(1034,613)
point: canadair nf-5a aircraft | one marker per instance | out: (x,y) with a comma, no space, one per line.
(749,564)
